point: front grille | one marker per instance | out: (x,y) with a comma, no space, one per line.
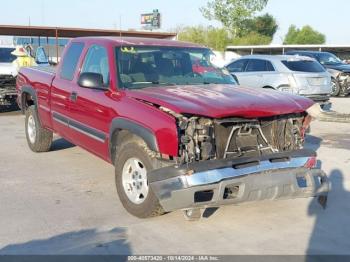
(250,138)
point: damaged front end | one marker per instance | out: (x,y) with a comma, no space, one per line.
(235,160)
(203,138)
(343,80)
(8,92)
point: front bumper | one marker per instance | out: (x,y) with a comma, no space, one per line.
(221,182)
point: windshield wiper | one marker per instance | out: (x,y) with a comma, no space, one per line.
(163,83)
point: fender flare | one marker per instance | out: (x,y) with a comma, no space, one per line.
(30,90)
(119,124)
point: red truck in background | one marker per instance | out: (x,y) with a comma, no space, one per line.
(178,138)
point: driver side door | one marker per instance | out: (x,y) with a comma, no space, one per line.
(90,111)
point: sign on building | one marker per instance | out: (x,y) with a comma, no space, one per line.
(151,20)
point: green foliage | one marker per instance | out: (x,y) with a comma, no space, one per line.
(265,25)
(252,38)
(216,38)
(233,13)
(305,35)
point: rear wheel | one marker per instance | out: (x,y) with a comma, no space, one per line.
(335,88)
(39,139)
(132,164)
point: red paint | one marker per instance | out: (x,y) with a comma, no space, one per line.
(97,109)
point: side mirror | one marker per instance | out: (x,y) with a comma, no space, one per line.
(91,80)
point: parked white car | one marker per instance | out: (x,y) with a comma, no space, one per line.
(293,74)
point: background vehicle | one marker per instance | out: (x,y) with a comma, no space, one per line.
(178,139)
(9,70)
(297,75)
(339,70)
(8,73)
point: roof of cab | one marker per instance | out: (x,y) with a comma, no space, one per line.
(138,41)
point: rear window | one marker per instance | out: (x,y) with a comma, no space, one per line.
(6,56)
(304,66)
(70,61)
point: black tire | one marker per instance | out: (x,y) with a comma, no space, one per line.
(134,147)
(43,137)
(335,88)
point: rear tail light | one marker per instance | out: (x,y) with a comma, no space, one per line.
(311,162)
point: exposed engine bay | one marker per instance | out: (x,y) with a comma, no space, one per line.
(204,139)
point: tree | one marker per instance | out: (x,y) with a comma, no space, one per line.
(252,38)
(305,35)
(233,13)
(265,25)
(216,38)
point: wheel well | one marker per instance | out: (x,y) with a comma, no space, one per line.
(269,87)
(118,137)
(26,101)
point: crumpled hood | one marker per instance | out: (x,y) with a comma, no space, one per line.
(218,101)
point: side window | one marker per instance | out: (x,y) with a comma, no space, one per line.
(71,60)
(96,61)
(256,65)
(237,66)
(269,66)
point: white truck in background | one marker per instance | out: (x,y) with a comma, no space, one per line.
(8,74)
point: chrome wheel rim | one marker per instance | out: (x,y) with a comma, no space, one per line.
(31,129)
(135,182)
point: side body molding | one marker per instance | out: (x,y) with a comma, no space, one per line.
(119,124)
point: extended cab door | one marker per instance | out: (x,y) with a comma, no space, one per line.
(91,111)
(62,89)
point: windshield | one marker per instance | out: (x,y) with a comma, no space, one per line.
(6,56)
(140,67)
(310,66)
(328,59)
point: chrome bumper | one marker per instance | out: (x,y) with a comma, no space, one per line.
(222,182)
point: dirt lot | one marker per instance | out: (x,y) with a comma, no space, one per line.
(65,202)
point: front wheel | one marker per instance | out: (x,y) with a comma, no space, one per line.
(132,164)
(39,139)
(335,88)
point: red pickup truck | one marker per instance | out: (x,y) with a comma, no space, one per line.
(179,139)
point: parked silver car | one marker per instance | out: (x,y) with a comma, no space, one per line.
(293,74)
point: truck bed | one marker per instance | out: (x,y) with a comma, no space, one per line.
(47,69)
(40,77)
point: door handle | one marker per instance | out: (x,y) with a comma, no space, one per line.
(73,96)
